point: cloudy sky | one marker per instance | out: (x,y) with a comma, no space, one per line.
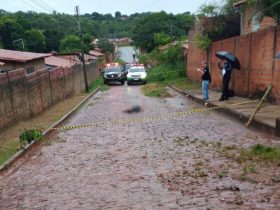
(103,6)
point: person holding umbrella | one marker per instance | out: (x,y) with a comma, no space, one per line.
(226,69)
(229,62)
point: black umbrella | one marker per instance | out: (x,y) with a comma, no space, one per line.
(230,57)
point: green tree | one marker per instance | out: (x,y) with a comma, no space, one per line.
(53,38)
(87,43)
(106,47)
(118,14)
(35,40)
(161,38)
(10,31)
(151,23)
(70,44)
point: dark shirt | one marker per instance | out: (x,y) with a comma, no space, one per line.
(228,68)
(206,74)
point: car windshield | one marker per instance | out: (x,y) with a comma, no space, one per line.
(110,70)
(127,66)
(133,70)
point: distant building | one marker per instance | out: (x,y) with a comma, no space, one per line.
(251,20)
(123,41)
(12,60)
(67,60)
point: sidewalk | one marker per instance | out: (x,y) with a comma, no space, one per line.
(265,118)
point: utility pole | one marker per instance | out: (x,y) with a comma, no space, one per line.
(83,56)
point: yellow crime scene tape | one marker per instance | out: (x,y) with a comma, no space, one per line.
(149,118)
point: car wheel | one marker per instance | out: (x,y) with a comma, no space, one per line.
(128,83)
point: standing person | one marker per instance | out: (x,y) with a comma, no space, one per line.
(206,79)
(226,69)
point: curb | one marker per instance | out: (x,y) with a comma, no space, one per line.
(229,112)
(47,132)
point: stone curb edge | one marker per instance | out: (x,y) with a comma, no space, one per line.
(28,147)
(232,113)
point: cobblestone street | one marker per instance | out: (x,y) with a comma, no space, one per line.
(161,164)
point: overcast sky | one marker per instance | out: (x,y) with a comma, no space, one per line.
(103,6)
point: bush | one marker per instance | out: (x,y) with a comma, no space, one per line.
(30,135)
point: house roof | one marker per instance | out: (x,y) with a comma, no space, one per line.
(90,57)
(239,3)
(95,53)
(20,56)
(59,61)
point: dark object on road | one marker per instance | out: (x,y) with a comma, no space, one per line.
(230,57)
(134,109)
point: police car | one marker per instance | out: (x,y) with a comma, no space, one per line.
(112,73)
(136,74)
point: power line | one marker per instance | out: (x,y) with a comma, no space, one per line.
(34,6)
(42,5)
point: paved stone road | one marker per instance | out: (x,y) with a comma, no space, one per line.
(138,165)
(126,54)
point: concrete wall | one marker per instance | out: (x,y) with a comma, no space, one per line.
(255,51)
(24,96)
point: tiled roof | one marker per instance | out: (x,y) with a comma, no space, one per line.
(59,61)
(20,56)
(90,57)
(95,53)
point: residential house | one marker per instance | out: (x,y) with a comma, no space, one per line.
(59,61)
(251,20)
(17,59)
(96,53)
(123,41)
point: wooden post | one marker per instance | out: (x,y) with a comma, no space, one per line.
(258,107)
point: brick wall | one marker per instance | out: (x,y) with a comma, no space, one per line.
(266,22)
(255,51)
(24,96)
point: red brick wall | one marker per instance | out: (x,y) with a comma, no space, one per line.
(255,51)
(195,57)
(23,96)
(266,22)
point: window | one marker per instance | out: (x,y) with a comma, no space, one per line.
(30,70)
(255,23)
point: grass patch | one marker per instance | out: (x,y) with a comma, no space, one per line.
(98,83)
(261,152)
(183,84)
(163,75)
(9,150)
(155,90)
(9,138)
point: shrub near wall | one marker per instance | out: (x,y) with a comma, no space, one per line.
(24,96)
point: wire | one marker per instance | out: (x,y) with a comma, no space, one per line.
(42,5)
(152,4)
(34,6)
